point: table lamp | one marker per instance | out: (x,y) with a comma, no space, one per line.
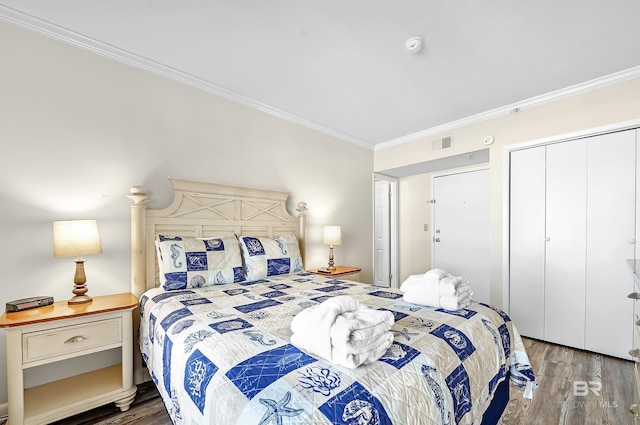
(76,238)
(331,236)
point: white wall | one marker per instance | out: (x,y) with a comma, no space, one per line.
(77,130)
(414,212)
(609,105)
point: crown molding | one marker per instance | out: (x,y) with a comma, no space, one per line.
(48,29)
(553,96)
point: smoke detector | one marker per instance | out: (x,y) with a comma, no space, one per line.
(414,44)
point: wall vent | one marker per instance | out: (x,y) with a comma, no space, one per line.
(444,143)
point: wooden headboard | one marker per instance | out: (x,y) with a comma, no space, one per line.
(203,210)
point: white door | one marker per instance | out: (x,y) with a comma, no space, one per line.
(461,223)
(610,241)
(566,211)
(382,240)
(527,240)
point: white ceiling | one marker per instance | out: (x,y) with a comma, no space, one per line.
(341,66)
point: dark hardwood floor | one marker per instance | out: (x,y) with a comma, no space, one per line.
(557,368)
(147,409)
(564,374)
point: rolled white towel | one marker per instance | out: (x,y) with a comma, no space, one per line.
(352,361)
(449,284)
(433,276)
(367,333)
(419,284)
(362,324)
(412,282)
(312,326)
(361,346)
(453,303)
(426,298)
(438,273)
(463,291)
(461,299)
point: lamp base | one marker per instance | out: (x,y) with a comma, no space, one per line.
(330,267)
(80,299)
(80,288)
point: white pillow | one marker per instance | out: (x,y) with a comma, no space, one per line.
(265,256)
(194,263)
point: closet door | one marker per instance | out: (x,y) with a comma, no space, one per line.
(527,241)
(610,241)
(566,205)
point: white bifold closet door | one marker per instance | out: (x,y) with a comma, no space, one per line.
(527,235)
(610,241)
(566,215)
(572,226)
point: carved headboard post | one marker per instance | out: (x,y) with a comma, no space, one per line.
(138,240)
(138,268)
(302,216)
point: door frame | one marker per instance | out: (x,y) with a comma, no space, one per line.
(393,225)
(506,180)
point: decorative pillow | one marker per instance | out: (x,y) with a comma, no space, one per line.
(194,263)
(265,256)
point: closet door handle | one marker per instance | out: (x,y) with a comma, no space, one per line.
(634,296)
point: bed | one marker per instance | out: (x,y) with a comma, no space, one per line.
(220,353)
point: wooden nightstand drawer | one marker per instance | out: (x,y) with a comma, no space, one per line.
(70,339)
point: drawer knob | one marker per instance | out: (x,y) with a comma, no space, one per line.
(634,409)
(78,338)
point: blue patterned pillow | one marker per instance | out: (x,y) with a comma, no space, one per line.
(194,263)
(265,256)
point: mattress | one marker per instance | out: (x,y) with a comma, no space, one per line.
(222,355)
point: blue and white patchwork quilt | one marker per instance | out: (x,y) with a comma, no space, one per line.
(222,355)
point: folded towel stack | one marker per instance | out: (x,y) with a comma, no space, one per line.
(343,332)
(437,288)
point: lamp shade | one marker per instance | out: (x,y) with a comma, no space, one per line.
(76,238)
(331,235)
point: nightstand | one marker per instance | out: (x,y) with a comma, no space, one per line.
(58,332)
(341,272)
